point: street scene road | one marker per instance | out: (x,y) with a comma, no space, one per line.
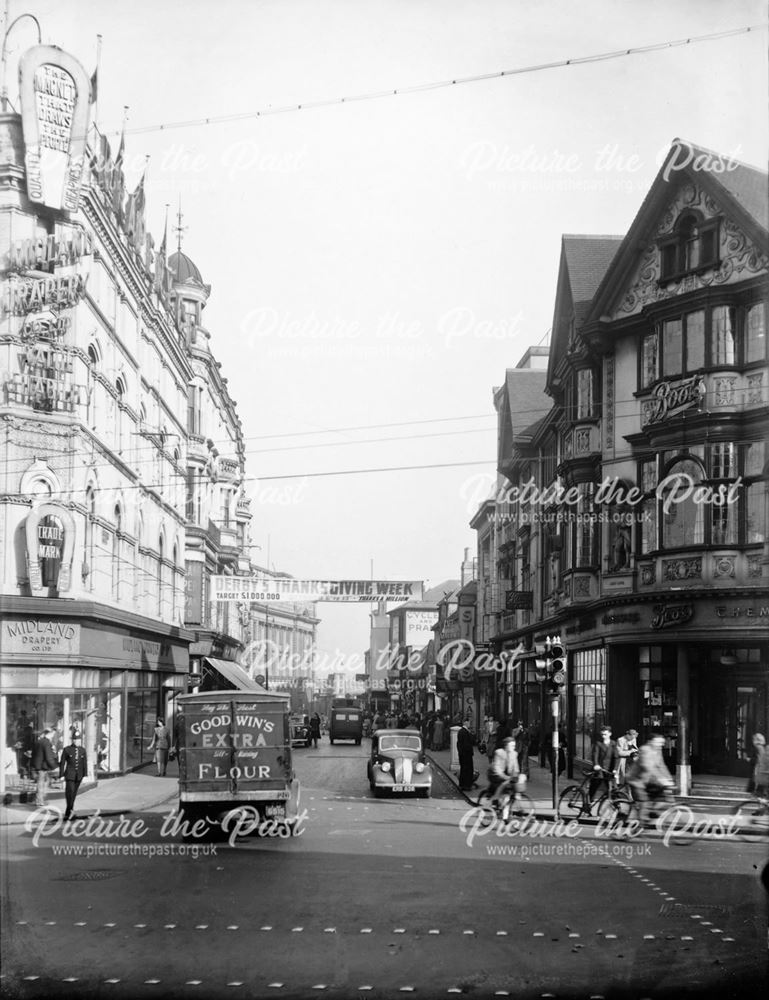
(376,898)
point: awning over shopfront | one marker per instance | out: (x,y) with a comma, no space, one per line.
(234,676)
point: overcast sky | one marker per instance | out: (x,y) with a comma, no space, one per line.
(382,262)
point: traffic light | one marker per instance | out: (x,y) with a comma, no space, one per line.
(556,663)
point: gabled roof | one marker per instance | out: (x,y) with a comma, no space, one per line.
(521,400)
(741,191)
(584,262)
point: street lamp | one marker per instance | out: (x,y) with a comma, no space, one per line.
(11,26)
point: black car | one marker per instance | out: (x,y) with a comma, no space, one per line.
(300,731)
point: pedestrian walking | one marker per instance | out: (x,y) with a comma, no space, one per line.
(43,763)
(438,727)
(627,750)
(315,729)
(465,754)
(161,744)
(73,767)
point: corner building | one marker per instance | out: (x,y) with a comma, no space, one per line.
(656,577)
(122,454)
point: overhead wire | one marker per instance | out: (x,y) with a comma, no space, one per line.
(307,105)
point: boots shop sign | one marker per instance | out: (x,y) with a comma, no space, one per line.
(55,94)
(50,536)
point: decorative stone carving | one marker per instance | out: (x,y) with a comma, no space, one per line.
(739,258)
(648,575)
(582,586)
(723,391)
(682,569)
(724,566)
(756,389)
(754,566)
(582,440)
(608,441)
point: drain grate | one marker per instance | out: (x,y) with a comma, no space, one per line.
(93,875)
(685,909)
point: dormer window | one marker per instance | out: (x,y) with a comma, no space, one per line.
(692,246)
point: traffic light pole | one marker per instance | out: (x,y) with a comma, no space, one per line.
(554,708)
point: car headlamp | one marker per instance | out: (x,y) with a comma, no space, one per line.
(385,765)
(419,767)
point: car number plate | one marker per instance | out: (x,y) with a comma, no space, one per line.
(279,811)
(403,788)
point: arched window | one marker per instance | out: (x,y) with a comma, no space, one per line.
(693,244)
(682,517)
(117,540)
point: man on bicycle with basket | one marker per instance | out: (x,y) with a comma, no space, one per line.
(504,770)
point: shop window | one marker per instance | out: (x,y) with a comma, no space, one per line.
(723,524)
(588,698)
(755,333)
(141,713)
(26,717)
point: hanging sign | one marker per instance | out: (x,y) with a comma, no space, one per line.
(283,589)
(55,95)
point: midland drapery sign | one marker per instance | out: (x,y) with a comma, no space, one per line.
(240,588)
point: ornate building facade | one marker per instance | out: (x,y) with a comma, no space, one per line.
(122,454)
(642,540)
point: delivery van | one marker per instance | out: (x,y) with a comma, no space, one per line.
(234,753)
(346,724)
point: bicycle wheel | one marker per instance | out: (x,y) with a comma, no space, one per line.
(488,803)
(571,803)
(753,819)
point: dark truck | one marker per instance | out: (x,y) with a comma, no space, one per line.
(235,761)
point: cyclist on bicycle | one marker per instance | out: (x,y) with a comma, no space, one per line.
(504,766)
(649,777)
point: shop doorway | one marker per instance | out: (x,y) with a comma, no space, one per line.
(730,711)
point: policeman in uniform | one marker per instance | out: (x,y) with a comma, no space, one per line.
(73,767)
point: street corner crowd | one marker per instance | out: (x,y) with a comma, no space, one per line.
(613,763)
(43,765)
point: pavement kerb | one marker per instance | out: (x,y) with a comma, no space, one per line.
(127,793)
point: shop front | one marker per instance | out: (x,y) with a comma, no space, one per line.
(695,671)
(67,671)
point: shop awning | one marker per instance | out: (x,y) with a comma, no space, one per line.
(234,675)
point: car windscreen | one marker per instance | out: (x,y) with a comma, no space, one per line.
(399,743)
